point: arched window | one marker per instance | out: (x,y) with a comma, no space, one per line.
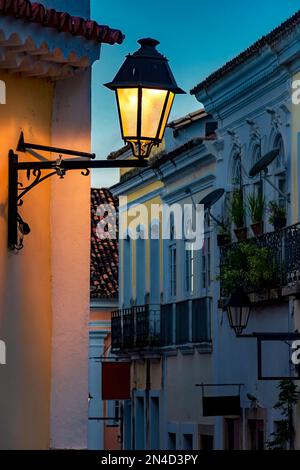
(256,154)
(280,160)
(236,171)
(258,183)
(280,170)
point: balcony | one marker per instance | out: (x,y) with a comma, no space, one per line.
(267,266)
(149,327)
(136,327)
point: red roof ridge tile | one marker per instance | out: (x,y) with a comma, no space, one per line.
(62,21)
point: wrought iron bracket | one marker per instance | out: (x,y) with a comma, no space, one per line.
(17,228)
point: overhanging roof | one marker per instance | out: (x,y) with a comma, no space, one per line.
(63,22)
(40,42)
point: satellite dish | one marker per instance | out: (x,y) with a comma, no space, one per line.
(211,198)
(263,162)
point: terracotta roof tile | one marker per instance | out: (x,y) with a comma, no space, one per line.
(62,21)
(104,253)
(269,39)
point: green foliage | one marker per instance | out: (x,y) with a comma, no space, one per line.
(287,398)
(276,212)
(256,205)
(237,208)
(247,265)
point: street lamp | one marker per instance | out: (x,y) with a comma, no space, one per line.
(145,89)
(238,309)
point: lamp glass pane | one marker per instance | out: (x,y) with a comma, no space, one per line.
(166,116)
(152,107)
(128,104)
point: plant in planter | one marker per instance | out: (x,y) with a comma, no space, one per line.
(288,397)
(223,237)
(238,214)
(247,266)
(277,215)
(256,205)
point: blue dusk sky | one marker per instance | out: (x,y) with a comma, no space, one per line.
(197,37)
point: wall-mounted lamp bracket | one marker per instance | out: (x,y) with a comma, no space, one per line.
(17,228)
(276,336)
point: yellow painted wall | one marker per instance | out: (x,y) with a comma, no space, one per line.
(25,277)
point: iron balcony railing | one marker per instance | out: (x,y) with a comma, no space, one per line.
(283,254)
(135,327)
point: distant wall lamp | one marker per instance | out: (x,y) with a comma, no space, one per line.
(145,90)
(238,309)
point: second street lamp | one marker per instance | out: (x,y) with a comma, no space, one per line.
(238,310)
(145,88)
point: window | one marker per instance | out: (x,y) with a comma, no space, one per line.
(205,263)
(166,324)
(280,171)
(278,144)
(172,441)
(236,175)
(201,319)
(207,442)
(113,411)
(232,434)
(155,264)
(140,424)
(182,322)
(140,260)
(189,270)
(154,423)
(187,441)
(210,128)
(256,154)
(172,261)
(127,272)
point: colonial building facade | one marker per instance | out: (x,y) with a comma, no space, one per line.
(251,97)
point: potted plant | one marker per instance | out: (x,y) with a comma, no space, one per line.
(223,237)
(277,215)
(256,205)
(238,214)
